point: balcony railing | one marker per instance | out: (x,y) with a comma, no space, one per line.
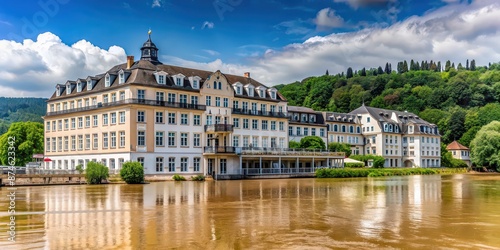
(219,128)
(130,101)
(290,152)
(219,150)
(236,111)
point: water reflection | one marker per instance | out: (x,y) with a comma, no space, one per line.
(457,211)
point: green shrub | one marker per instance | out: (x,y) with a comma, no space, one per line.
(95,173)
(178,178)
(132,173)
(198,178)
(373,172)
(354,165)
(79,168)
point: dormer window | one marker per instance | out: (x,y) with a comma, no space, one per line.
(161,79)
(311,118)
(273,94)
(58,90)
(178,82)
(68,89)
(121,77)
(79,86)
(238,90)
(195,84)
(107,80)
(89,85)
(250,91)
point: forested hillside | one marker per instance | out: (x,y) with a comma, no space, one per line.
(460,100)
(20,110)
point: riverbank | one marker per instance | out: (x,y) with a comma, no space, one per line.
(379,172)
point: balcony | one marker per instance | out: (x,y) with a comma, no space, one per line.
(258,113)
(219,128)
(130,101)
(219,150)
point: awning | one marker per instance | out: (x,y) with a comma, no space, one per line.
(47,160)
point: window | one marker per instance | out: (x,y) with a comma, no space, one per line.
(196,120)
(250,91)
(322,132)
(223,166)
(105,98)
(160,139)
(264,125)
(59,144)
(87,141)
(306,131)
(178,81)
(171,164)
(94,101)
(184,119)
(113,139)
(226,102)
(209,120)
(196,164)
(298,130)
(195,84)
(236,104)
(107,81)
(73,142)
(263,108)
(184,139)
(59,125)
(255,141)
(184,163)
(113,118)
(238,90)
(313,131)
(183,99)
(159,117)
(208,101)
(245,106)
(172,97)
(80,122)
(255,124)
(141,138)
(140,116)
(245,141)
(113,97)
(290,130)
(47,126)
(171,118)
(80,142)
(194,100)
(141,160)
(122,139)
(105,140)
(122,117)
(236,141)
(95,138)
(254,108)
(141,94)
(161,79)
(171,139)
(94,120)
(282,126)
(104,119)
(236,122)
(368,119)
(196,140)
(245,123)
(122,95)
(159,164)
(66,143)
(273,125)
(335,128)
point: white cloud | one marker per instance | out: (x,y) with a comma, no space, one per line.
(326,18)
(156,3)
(359,3)
(453,32)
(208,25)
(211,52)
(294,27)
(33,68)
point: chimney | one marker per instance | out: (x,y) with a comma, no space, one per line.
(247,74)
(130,61)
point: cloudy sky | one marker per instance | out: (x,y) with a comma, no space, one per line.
(278,41)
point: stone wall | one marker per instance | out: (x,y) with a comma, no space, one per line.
(35,179)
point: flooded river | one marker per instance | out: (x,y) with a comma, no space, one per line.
(452,212)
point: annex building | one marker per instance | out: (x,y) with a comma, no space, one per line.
(177,120)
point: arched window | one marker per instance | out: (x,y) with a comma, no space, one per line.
(351,129)
(358,130)
(335,128)
(343,128)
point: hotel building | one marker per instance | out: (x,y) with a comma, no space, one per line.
(174,120)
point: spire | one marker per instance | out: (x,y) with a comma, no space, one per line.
(149,51)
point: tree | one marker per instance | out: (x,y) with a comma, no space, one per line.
(363,72)
(485,148)
(327,73)
(387,68)
(349,73)
(447,66)
(132,173)
(293,144)
(79,168)
(467,65)
(22,140)
(312,142)
(340,147)
(96,172)
(473,65)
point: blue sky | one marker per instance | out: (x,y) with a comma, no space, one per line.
(50,41)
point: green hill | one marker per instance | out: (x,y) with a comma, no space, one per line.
(13,109)
(459,100)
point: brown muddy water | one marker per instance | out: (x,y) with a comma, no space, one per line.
(409,212)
